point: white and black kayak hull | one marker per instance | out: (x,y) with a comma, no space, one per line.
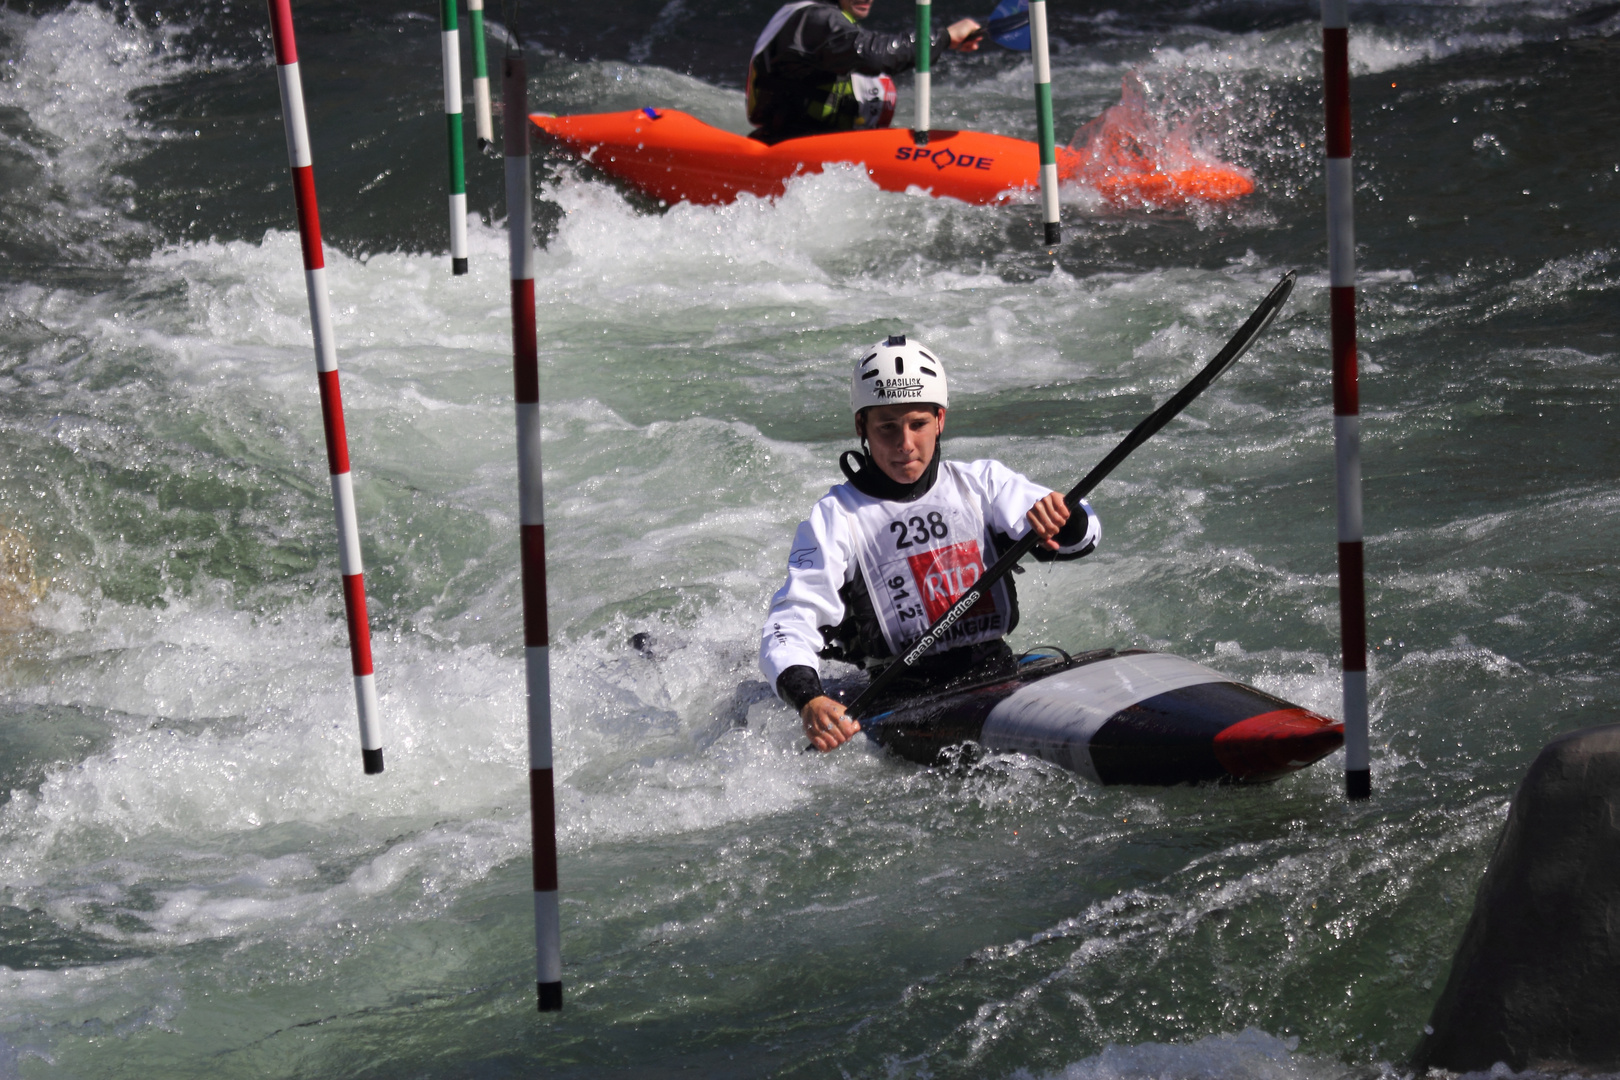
(1133,717)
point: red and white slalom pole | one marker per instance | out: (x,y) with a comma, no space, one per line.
(326,369)
(1346,396)
(532,529)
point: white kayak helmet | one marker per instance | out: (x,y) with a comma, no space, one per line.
(894,372)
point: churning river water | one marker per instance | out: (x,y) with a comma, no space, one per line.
(196,879)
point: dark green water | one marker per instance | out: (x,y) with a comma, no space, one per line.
(196,880)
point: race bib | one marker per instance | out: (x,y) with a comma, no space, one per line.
(946,574)
(919,558)
(875,94)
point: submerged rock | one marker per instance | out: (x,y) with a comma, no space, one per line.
(1536,980)
(20,587)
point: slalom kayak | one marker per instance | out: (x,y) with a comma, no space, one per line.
(1131,717)
(675,157)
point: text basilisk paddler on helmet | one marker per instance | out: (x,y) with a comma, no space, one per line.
(885,553)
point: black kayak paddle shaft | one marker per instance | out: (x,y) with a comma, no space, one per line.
(1007,24)
(1246,336)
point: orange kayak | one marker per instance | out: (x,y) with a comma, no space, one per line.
(675,157)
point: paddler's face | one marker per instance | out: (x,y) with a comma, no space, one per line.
(856,9)
(902,438)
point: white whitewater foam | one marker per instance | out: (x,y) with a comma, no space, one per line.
(1247,1055)
(73,72)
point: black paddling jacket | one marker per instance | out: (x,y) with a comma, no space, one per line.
(799,84)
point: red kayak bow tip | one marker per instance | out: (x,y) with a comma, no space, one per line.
(1274,744)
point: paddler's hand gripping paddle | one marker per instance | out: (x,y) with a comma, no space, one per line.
(1008,25)
(1246,336)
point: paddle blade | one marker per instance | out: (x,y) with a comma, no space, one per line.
(1257,324)
(1008,25)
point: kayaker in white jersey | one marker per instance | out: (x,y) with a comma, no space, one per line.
(884,554)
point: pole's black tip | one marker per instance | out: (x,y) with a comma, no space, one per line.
(372,760)
(1054,233)
(485,144)
(919,137)
(550,996)
(458,266)
(1358,784)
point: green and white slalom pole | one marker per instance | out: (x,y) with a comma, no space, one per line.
(481,116)
(1043,121)
(450,40)
(925,36)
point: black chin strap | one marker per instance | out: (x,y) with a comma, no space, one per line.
(871,480)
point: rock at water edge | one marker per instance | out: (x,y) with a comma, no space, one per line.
(1536,980)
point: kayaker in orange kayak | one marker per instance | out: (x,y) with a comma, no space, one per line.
(814,70)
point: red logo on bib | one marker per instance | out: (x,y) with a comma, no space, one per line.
(944,574)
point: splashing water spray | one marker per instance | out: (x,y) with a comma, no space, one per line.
(532,529)
(326,368)
(1132,154)
(1346,396)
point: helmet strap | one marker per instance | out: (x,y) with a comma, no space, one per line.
(870,480)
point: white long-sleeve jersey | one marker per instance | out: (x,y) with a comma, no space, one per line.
(829,545)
